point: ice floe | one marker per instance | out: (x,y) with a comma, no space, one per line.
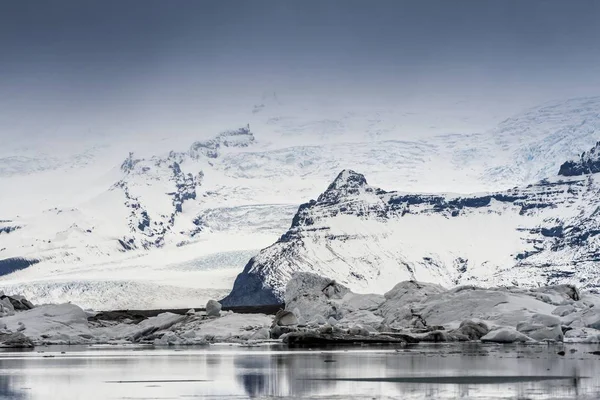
(320,310)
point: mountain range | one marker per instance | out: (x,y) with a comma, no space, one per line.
(135,224)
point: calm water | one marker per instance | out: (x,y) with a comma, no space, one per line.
(469,371)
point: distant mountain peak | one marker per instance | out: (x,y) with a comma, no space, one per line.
(348,179)
(347,184)
(588,163)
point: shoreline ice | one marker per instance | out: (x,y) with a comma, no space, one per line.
(320,311)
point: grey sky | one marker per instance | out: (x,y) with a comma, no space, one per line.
(135,65)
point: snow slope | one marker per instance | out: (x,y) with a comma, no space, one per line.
(367,238)
(111,223)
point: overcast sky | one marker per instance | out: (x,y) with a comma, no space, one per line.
(81,67)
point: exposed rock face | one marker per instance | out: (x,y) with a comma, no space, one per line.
(150,223)
(9,265)
(366,238)
(250,288)
(588,163)
(7,227)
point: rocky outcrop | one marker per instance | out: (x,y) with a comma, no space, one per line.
(6,229)
(588,163)
(250,288)
(9,265)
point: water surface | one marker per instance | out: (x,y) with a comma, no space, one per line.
(468,371)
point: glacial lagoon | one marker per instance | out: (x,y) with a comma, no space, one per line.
(273,371)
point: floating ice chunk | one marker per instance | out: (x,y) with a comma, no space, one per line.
(505,335)
(59,323)
(470,330)
(565,310)
(286,318)
(261,334)
(232,327)
(160,322)
(213,308)
(541,327)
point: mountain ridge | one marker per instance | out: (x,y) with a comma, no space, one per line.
(360,236)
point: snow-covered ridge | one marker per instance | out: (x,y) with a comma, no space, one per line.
(157,215)
(211,148)
(176,179)
(366,238)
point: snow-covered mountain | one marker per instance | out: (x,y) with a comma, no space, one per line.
(171,222)
(367,238)
(152,238)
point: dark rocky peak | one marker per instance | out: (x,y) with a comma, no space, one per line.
(129,164)
(348,180)
(588,163)
(8,228)
(347,183)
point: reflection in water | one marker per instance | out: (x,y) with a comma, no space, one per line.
(469,371)
(252,372)
(8,389)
